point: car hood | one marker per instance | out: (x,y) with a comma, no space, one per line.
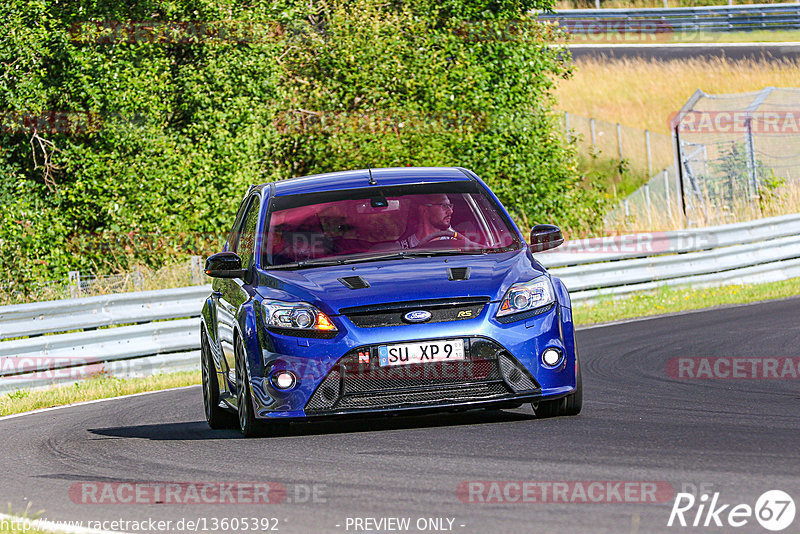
(401,280)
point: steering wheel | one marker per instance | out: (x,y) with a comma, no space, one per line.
(436,235)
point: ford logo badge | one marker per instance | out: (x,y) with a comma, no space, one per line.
(418,316)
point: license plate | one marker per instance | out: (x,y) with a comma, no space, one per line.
(423,352)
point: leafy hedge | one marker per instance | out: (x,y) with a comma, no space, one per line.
(129,134)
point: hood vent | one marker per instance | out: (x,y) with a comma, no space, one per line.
(458,273)
(354,282)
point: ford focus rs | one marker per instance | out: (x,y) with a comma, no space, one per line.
(384,290)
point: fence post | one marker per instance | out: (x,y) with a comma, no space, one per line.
(619,140)
(75,284)
(751,157)
(196,270)
(666,193)
(138,278)
(676,145)
(566,126)
(594,133)
(649,158)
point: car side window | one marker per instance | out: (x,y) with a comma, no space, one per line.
(245,245)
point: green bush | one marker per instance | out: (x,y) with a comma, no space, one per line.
(152,120)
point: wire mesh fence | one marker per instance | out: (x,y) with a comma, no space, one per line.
(736,151)
(77,284)
(656,205)
(644,151)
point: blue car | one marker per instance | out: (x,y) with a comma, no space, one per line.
(383,290)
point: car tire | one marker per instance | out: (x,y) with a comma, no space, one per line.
(569,405)
(549,408)
(574,401)
(248,424)
(216,416)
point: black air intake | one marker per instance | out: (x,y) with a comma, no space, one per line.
(354,282)
(458,273)
(515,375)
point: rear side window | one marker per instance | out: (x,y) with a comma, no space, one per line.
(245,245)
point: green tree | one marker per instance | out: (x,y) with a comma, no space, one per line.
(151,119)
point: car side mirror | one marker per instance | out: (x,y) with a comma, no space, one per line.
(545,237)
(224,265)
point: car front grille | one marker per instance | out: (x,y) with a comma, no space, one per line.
(391,314)
(357,381)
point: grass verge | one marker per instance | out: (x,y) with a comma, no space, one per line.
(95,388)
(670,300)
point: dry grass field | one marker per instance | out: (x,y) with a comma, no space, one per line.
(642,93)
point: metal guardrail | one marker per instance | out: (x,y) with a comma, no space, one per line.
(758,251)
(92,312)
(600,249)
(148,331)
(168,338)
(679,19)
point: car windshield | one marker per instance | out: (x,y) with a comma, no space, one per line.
(384,223)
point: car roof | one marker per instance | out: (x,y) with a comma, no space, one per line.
(360,178)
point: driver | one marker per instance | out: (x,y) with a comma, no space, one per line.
(434,213)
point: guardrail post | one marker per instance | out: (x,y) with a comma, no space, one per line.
(619,140)
(594,132)
(566,126)
(649,158)
(647,203)
(75,284)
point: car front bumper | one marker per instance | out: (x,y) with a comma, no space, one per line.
(341,375)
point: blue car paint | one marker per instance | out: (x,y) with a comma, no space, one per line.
(390,281)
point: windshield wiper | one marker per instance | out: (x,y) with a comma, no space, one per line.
(399,255)
(340,261)
(305,263)
(453,252)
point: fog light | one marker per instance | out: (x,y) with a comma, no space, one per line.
(284,380)
(551,357)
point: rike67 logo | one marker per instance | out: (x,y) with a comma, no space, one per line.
(774,510)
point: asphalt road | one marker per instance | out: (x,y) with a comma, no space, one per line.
(736,51)
(738,437)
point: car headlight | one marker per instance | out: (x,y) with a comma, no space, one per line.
(526,296)
(296,316)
